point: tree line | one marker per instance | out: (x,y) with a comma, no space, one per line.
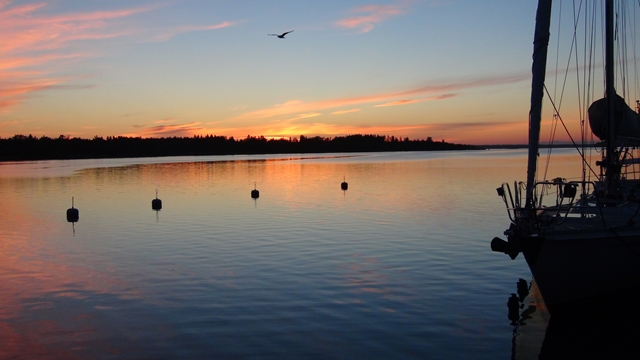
(22,147)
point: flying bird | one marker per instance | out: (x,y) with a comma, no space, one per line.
(281,36)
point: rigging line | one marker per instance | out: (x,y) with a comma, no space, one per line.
(589,61)
(574,45)
(552,136)
(568,133)
(581,101)
(621,39)
(635,53)
(580,107)
(552,132)
(588,77)
(629,18)
(555,84)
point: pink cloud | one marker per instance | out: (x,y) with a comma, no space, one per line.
(370,16)
(14,62)
(9,89)
(25,29)
(32,38)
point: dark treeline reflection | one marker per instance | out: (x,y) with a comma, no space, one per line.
(21,147)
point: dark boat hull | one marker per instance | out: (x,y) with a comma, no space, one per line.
(584,267)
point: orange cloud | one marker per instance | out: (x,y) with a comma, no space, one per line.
(467,133)
(284,130)
(297,106)
(464,132)
(373,14)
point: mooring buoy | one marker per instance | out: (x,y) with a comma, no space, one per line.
(156,204)
(73,215)
(344,185)
(255,193)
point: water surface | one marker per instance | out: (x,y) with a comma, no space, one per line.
(397,266)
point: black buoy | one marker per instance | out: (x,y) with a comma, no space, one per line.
(344,185)
(156,204)
(73,215)
(255,193)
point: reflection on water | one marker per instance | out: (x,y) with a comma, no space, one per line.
(529,319)
(398,266)
(606,329)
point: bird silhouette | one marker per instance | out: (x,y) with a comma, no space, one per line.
(281,36)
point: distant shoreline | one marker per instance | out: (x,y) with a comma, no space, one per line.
(30,148)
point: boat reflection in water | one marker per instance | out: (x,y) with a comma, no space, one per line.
(607,329)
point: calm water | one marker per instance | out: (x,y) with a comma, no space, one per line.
(397,266)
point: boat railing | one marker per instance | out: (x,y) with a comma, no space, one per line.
(512,199)
(578,198)
(631,169)
(554,200)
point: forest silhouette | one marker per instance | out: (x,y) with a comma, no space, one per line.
(22,147)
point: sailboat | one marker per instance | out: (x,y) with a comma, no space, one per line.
(580,238)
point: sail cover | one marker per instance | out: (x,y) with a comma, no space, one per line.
(627,121)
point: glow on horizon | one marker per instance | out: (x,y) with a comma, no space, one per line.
(182,68)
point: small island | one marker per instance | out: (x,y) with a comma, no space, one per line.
(22,147)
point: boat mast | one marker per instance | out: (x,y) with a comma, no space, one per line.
(540,45)
(610,94)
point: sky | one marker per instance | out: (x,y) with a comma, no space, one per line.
(456,70)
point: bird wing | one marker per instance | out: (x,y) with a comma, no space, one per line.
(287,32)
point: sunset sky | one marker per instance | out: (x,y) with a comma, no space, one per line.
(457,70)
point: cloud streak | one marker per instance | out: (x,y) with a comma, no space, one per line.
(172,32)
(366,17)
(180,130)
(388,99)
(413,101)
(341,112)
(460,132)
